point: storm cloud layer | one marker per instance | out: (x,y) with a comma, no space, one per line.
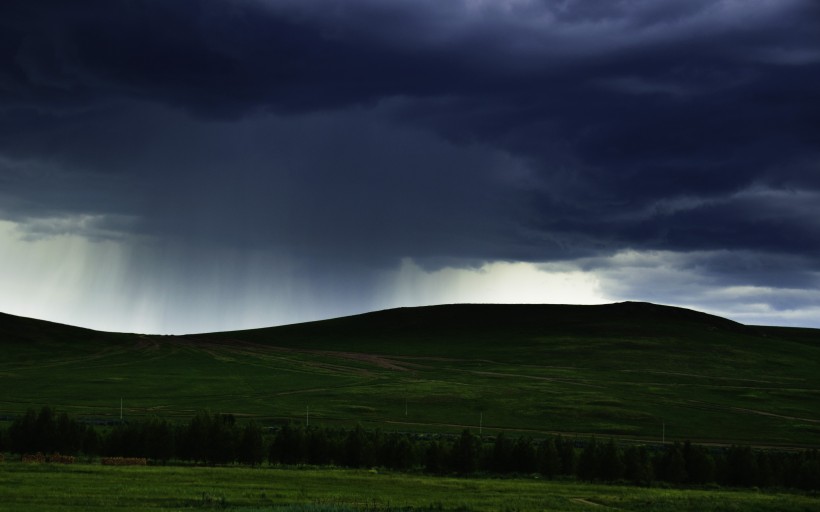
(344,139)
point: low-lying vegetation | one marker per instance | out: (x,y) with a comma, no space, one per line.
(41,458)
(219,440)
(124,461)
(83,487)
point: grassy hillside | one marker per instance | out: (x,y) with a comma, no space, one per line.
(85,487)
(630,370)
(18,329)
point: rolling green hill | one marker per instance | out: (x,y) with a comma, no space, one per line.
(630,370)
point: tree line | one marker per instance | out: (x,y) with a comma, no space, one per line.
(218,439)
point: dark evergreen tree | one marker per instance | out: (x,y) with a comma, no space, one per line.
(289,446)
(808,470)
(69,435)
(765,471)
(124,440)
(356,446)
(158,438)
(47,432)
(320,448)
(523,455)
(611,465)
(569,458)
(251,447)
(396,452)
(700,466)
(637,465)
(45,429)
(91,441)
(221,439)
(589,461)
(779,464)
(501,455)
(374,442)
(548,459)
(22,438)
(789,469)
(672,465)
(34,432)
(435,457)
(741,466)
(465,453)
(192,439)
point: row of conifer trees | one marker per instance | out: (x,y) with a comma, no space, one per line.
(218,439)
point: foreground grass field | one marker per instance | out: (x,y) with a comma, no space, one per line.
(34,487)
(632,371)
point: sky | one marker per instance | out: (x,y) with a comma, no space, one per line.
(193,166)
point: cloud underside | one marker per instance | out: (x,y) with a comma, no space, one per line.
(348,137)
(135,286)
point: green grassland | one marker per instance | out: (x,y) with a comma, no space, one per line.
(625,370)
(36,487)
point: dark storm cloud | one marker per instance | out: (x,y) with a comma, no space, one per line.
(213,57)
(319,186)
(575,128)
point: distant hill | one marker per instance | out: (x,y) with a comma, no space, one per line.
(483,321)
(28,330)
(450,322)
(619,319)
(630,370)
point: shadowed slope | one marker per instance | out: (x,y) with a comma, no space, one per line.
(482,321)
(608,320)
(28,330)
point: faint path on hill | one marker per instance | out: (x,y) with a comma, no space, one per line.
(764,413)
(94,356)
(695,375)
(374,359)
(745,410)
(584,501)
(219,349)
(533,377)
(775,415)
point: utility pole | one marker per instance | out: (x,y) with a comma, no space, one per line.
(307,415)
(480,422)
(405,407)
(663,432)
(120,408)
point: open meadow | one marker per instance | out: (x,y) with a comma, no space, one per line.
(634,372)
(86,487)
(631,371)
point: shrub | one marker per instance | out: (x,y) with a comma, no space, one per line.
(124,461)
(56,458)
(35,458)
